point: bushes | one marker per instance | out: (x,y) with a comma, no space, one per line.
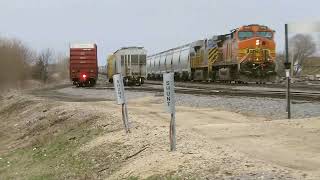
(15,59)
(19,63)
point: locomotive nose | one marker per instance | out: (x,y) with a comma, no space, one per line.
(258,50)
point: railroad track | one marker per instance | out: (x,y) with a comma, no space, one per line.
(299,86)
(212,91)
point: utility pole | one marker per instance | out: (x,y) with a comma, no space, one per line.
(287,65)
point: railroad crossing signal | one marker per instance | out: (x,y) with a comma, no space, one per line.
(287,65)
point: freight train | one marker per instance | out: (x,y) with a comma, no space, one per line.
(246,54)
(130,62)
(83,64)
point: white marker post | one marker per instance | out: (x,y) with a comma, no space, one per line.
(121,99)
(169,100)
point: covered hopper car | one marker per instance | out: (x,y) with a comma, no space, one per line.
(247,54)
(130,62)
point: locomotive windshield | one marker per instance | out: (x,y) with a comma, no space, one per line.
(245,35)
(265,34)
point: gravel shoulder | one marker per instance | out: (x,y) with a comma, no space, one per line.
(269,108)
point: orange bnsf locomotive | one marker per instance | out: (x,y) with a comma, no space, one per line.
(247,54)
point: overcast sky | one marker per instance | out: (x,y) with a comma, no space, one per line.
(155,24)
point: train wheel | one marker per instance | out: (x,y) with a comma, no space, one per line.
(139,81)
(92,83)
(125,81)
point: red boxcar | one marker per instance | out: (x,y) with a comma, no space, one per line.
(83,64)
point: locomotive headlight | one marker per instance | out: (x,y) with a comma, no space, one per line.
(257,42)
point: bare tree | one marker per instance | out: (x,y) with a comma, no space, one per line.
(302,47)
(60,68)
(41,69)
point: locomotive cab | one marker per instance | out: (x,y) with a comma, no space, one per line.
(256,52)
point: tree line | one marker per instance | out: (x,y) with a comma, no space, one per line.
(19,63)
(301,47)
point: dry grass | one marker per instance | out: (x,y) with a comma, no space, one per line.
(311,66)
(19,66)
(14,62)
(41,139)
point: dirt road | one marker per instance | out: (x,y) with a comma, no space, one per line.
(211,144)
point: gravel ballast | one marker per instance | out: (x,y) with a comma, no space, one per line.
(270,108)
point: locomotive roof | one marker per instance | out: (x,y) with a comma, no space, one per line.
(254,25)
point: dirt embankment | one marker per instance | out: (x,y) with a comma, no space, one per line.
(48,139)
